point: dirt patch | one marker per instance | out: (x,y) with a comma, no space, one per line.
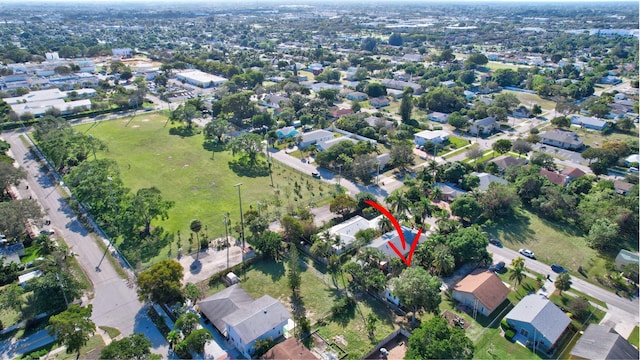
(341,340)
(135,126)
(145,120)
(455,320)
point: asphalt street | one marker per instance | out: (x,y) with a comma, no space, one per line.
(12,349)
(115,301)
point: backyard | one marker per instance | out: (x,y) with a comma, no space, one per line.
(319,292)
(200,182)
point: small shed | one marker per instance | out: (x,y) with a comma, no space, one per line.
(232,278)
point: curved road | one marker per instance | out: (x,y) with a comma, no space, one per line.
(115,301)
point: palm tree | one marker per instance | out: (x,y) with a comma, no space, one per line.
(423,208)
(173,337)
(433,167)
(196,226)
(443,261)
(517,272)
(563,282)
(384,225)
(399,203)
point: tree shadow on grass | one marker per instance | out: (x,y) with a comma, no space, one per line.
(143,249)
(214,146)
(242,167)
(183,131)
(275,269)
(515,228)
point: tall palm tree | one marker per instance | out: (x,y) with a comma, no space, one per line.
(443,261)
(173,337)
(517,272)
(399,203)
(433,167)
(384,225)
(423,208)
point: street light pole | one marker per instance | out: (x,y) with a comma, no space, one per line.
(115,212)
(241,223)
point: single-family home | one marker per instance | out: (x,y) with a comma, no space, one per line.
(356,96)
(506,161)
(274,101)
(401,85)
(396,94)
(554,177)
(482,291)
(341,112)
(378,122)
(11,253)
(632,159)
(392,237)
(484,126)
(316,68)
(538,322)
(626,257)
(564,139)
(486,179)
(412,58)
(314,137)
(316,87)
(449,191)
(326,144)
(286,132)
(379,102)
(438,117)
(521,112)
(26,277)
(432,136)
(622,187)
(600,342)
(610,80)
(243,320)
(291,348)
(346,232)
(448,83)
(588,122)
(572,173)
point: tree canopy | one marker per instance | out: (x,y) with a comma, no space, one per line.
(161,283)
(135,346)
(435,339)
(73,327)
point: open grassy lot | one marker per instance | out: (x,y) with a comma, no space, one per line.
(495,65)
(553,243)
(201,183)
(318,291)
(597,138)
(528,100)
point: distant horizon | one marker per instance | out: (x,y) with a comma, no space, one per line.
(314,2)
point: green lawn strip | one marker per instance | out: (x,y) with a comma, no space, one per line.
(588,297)
(458,142)
(90,351)
(493,345)
(528,285)
(528,100)
(201,187)
(460,151)
(113,332)
(634,338)
(562,244)
(563,301)
(9,317)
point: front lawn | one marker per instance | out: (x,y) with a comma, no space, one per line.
(634,338)
(563,301)
(493,345)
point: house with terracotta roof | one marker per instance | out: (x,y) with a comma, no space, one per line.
(554,177)
(482,291)
(573,173)
(291,348)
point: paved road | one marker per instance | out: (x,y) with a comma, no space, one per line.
(10,349)
(629,306)
(115,301)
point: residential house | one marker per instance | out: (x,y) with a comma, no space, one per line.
(291,348)
(341,112)
(506,161)
(286,132)
(326,144)
(449,191)
(346,232)
(392,237)
(538,322)
(378,122)
(431,136)
(448,83)
(351,74)
(26,277)
(486,179)
(200,79)
(396,94)
(482,291)
(484,126)
(316,87)
(438,117)
(11,253)
(379,102)
(554,177)
(564,139)
(412,58)
(572,173)
(600,342)
(588,122)
(521,112)
(356,96)
(631,160)
(610,80)
(314,137)
(626,257)
(274,101)
(122,52)
(622,187)
(401,85)
(316,68)
(243,320)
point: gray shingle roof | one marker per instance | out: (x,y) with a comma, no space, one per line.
(542,314)
(257,318)
(223,303)
(382,243)
(602,342)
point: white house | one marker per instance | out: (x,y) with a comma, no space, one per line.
(346,232)
(314,137)
(483,126)
(200,79)
(433,136)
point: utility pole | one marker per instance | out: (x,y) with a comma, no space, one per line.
(226,234)
(241,222)
(115,212)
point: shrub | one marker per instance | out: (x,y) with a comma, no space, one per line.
(504,324)
(509,334)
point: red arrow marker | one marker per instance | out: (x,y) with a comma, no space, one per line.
(396,225)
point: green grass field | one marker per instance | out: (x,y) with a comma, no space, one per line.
(528,100)
(562,244)
(597,138)
(201,183)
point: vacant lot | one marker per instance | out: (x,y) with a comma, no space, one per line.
(553,243)
(200,182)
(528,100)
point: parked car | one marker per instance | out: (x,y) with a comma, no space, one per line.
(557,268)
(315,175)
(47,232)
(528,253)
(497,267)
(495,242)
